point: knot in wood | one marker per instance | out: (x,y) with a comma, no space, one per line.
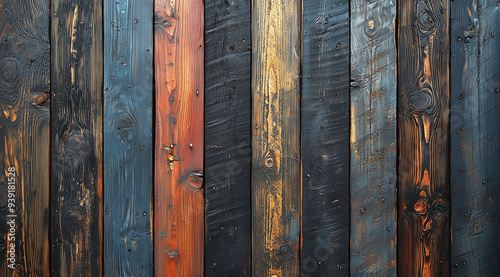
(421,101)
(427,20)
(10,74)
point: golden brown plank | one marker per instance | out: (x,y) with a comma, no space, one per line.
(276,138)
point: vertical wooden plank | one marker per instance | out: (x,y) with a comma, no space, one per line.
(423,139)
(179,220)
(275,138)
(227,138)
(373,138)
(76,138)
(128,96)
(475,136)
(24,137)
(325,138)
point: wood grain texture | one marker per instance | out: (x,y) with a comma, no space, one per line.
(76,138)
(24,135)
(275,138)
(475,136)
(325,138)
(128,177)
(179,220)
(373,138)
(227,138)
(423,139)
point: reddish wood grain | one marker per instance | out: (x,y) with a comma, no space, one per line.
(179,218)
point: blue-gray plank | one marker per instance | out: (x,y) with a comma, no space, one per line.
(475,137)
(128,96)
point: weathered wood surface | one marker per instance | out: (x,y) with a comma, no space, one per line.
(76,138)
(373,138)
(423,138)
(275,138)
(179,206)
(325,138)
(227,138)
(24,135)
(475,136)
(128,159)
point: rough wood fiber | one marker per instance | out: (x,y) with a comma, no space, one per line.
(325,138)
(227,138)
(128,177)
(179,220)
(76,138)
(275,138)
(423,139)
(24,134)
(475,136)
(373,138)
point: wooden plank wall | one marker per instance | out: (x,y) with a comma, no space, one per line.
(373,138)
(423,138)
(227,138)
(475,157)
(334,137)
(24,137)
(178,194)
(276,138)
(325,138)
(76,137)
(128,159)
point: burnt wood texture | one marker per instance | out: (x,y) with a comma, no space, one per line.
(227,138)
(423,138)
(76,138)
(178,192)
(128,158)
(24,137)
(275,138)
(475,136)
(373,138)
(325,138)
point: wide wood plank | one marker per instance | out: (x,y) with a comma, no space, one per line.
(76,138)
(128,159)
(373,138)
(275,138)
(179,216)
(227,138)
(325,138)
(423,138)
(24,137)
(475,135)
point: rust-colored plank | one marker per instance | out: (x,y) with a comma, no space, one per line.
(76,138)
(179,211)
(24,137)
(276,138)
(373,138)
(423,138)
(475,137)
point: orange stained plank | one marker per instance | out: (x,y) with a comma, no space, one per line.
(179,218)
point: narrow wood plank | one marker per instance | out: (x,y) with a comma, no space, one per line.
(76,138)
(475,136)
(128,167)
(423,138)
(227,138)
(325,138)
(276,138)
(24,137)
(179,220)
(373,138)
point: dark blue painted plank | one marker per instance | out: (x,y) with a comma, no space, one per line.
(475,138)
(128,96)
(325,138)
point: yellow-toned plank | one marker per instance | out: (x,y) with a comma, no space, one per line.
(276,126)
